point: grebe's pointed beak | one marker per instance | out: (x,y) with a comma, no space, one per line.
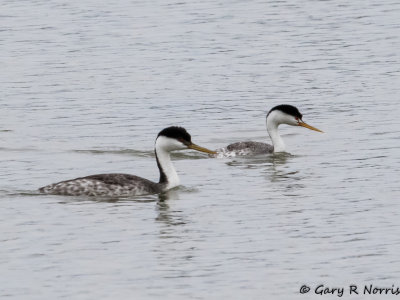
(303,124)
(201,149)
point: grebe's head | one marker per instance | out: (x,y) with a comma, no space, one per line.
(287,114)
(177,138)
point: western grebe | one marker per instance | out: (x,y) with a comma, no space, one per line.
(281,114)
(114,185)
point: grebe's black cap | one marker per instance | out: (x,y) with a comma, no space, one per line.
(176,132)
(288,109)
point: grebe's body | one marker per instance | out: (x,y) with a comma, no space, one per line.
(281,114)
(243,149)
(118,185)
(111,185)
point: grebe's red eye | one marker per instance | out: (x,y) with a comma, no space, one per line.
(297,118)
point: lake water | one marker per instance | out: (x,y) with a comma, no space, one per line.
(85,88)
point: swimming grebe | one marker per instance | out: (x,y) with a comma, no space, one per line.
(281,114)
(169,139)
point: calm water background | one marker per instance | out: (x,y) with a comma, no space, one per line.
(85,87)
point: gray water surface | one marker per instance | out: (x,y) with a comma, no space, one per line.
(85,88)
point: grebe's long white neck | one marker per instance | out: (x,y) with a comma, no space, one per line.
(273,120)
(168,175)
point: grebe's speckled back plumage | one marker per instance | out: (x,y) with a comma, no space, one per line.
(280,114)
(117,185)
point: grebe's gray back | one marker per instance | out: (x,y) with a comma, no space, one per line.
(281,114)
(116,185)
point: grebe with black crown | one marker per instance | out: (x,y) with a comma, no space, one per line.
(117,185)
(281,114)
